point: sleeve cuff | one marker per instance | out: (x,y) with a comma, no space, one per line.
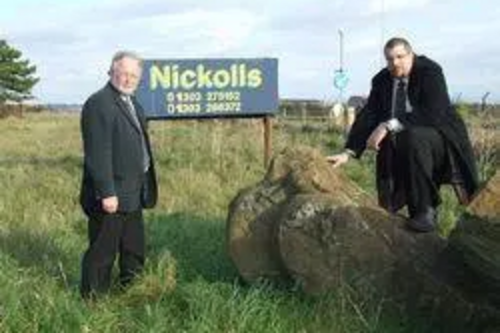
(350,152)
(104,190)
(394,125)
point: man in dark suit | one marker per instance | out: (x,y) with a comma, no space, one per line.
(118,177)
(421,140)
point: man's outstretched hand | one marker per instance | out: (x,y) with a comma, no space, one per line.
(338,159)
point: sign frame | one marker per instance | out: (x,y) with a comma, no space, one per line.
(209,88)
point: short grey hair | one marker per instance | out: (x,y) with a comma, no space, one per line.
(124,54)
(395,41)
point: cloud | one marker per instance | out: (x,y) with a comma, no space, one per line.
(217,31)
(376,7)
(72,42)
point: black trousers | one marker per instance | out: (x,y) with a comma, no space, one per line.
(421,165)
(109,235)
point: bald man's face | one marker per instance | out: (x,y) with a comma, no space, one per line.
(399,61)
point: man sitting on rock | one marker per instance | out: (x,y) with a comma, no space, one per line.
(420,139)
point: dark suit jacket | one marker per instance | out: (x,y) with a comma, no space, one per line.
(113,154)
(428,96)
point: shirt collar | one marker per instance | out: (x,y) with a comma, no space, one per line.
(405,79)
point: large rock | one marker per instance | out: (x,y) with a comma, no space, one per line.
(251,232)
(486,203)
(308,222)
(324,245)
(475,245)
(256,212)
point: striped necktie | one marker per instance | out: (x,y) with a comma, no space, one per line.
(146,158)
(131,109)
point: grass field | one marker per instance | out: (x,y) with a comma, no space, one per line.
(190,285)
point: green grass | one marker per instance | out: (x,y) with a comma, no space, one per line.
(190,284)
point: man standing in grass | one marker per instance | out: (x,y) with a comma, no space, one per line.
(118,177)
(420,139)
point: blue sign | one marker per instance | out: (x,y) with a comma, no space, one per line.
(340,79)
(206,88)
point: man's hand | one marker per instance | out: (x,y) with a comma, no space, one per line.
(338,159)
(110,204)
(377,136)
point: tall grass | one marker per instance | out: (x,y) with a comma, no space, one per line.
(189,284)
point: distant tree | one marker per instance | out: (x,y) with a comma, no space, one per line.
(16,75)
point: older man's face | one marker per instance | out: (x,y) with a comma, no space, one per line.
(126,74)
(399,61)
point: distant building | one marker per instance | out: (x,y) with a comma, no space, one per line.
(303,108)
(27,102)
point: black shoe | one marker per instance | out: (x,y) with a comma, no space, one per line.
(423,221)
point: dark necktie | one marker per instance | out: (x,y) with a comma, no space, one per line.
(146,158)
(400,103)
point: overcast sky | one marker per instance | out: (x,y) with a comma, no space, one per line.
(71,42)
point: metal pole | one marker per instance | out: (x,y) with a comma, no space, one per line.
(341,49)
(267,140)
(341,91)
(382,31)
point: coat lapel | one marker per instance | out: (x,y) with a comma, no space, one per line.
(414,82)
(123,107)
(386,94)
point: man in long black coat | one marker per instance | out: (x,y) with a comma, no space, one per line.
(118,177)
(421,140)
